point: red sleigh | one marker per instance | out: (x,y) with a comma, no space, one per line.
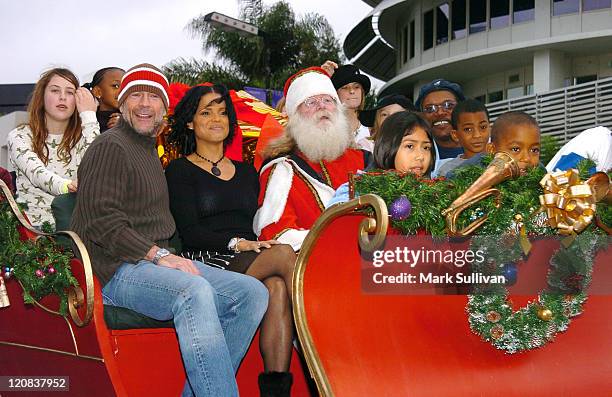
(404,345)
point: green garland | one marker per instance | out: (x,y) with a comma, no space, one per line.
(25,258)
(490,313)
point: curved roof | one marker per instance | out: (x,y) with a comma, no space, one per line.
(371,54)
(372,3)
(367,48)
(359,37)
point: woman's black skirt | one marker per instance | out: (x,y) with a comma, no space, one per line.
(235,262)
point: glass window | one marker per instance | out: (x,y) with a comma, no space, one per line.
(588,5)
(500,14)
(514,92)
(428,30)
(442,14)
(561,7)
(412,39)
(523,10)
(478,16)
(404,43)
(481,98)
(585,79)
(514,78)
(458,19)
(529,89)
(496,96)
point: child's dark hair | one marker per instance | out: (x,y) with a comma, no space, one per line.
(98,76)
(511,118)
(181,135)
(392,131)
(468,106)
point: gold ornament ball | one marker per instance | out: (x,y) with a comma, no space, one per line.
(518,217)
(545,314)
(497,331)
(493,316)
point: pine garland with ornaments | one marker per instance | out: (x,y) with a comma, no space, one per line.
(428,198)
(41,266)
(489,309)
(504,239)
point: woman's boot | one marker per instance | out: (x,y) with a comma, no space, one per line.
(275,384)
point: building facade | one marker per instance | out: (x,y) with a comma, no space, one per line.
(14,100)
(497,49)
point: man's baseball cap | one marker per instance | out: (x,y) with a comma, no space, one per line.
(439,85)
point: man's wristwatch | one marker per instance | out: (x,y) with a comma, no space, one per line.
(233,244)
(161,253)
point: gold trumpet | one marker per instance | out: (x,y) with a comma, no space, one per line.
(502,167)
(602,192)
(600,186)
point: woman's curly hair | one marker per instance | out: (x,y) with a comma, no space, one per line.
(181,135)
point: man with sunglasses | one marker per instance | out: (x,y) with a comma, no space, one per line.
(312,158)
(437,100)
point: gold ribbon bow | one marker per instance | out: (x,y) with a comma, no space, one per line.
(569,202)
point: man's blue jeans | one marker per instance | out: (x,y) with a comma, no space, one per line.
(215,316)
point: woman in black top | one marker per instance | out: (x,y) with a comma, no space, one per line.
(213,200)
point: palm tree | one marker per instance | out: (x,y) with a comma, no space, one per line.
(193,71)
(293,42)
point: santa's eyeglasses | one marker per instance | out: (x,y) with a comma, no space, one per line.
(446,105)
(313,101)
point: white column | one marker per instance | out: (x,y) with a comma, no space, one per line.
(549,70)
(543,14)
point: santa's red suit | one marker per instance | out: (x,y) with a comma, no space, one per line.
(294,191)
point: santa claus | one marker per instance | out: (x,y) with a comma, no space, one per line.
(308,162)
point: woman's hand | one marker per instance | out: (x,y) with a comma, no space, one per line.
(329,67)
(248,245)
(73,186)
(112,120)
(84,100)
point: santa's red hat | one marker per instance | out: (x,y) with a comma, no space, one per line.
(306,83)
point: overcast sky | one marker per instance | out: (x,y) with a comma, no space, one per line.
(86,35)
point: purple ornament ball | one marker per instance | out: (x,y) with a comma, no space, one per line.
(400,208)
(51,270)
(39,273)
(509,271)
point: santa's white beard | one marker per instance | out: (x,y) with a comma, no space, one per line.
(325,141)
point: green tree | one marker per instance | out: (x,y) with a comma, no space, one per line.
(289,43)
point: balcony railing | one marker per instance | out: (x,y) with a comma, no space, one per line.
(565,112)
